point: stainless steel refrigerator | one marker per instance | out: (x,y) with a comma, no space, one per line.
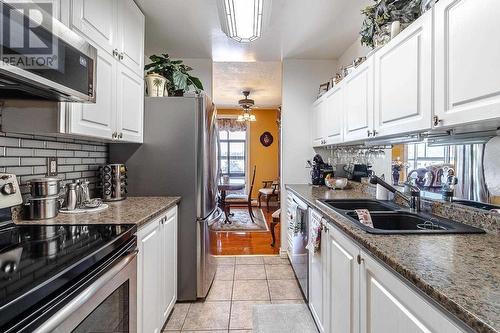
(179,158)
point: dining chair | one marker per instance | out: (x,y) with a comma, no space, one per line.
(270,190)
(235,199)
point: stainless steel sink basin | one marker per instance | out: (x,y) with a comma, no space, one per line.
(353,204)
(389,218)
(476,204)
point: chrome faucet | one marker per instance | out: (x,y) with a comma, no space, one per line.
(413,199)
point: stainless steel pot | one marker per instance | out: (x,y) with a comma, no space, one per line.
(42,208)
(44,187)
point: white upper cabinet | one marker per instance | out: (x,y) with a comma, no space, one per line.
(358,102)
(131,36)
(318,118)
(388,305)
(130,105)
(467,77)
(334,116)
(96,20)
(403,81)
(116,28)
(99,119)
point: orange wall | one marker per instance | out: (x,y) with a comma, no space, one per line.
(265,158)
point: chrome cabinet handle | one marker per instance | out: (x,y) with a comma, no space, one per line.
(369,133)
(115,53)
(121,55)
(374,132)
(120,136)
(114,135)
(436,121)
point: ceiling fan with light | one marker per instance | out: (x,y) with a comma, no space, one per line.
(247,104)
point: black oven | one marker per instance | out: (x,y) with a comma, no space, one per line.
(40,58)
(65,278)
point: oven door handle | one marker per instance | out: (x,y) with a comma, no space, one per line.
(54,321)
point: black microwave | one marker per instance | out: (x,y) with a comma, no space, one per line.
(41,58)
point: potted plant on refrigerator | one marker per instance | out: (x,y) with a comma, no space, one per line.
(178,79)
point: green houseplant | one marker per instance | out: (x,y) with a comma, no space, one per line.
(178,79)
(380,15)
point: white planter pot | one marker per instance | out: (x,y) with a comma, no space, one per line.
(155,85)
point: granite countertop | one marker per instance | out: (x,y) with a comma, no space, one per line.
(459,272)
(133,210)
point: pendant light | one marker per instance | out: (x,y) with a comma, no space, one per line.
(247,104)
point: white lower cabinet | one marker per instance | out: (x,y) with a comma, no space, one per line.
(389,305)
(342,281)
(350,292)
(156,272)
(317,276)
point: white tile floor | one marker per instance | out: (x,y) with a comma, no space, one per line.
(240,283)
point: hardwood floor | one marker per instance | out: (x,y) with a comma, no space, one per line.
(245,243)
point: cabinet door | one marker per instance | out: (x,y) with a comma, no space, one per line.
(403,80)
(388,305)
(317,123)
(148,278)
(131,36)
(358,102)
(130,105)
(317,268)
(97,120)
(168,264)
(96,20)
(343,283)
(467,84)
(334,116)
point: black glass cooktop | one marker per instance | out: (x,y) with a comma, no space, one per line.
(36,260)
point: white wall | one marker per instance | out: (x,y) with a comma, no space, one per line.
(202,69)
(301,80)
(354,51)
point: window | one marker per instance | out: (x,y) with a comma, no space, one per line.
(232,154)
(420,155)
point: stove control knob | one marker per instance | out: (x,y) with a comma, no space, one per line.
(9,189)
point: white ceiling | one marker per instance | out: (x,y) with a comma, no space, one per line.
(300,29)
(262,79)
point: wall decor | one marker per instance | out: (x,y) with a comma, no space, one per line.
(323,88)
(266,139)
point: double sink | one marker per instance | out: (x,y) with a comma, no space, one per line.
(389,218)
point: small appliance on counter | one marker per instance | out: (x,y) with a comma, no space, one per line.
(357,171)
(77,199)
(113,182)
(320,170)
(43,201)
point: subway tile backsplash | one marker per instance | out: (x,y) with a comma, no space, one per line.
(26,156)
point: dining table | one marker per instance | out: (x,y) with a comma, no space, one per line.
(224,186)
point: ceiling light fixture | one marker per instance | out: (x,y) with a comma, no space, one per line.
(247,104)
(243,20)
